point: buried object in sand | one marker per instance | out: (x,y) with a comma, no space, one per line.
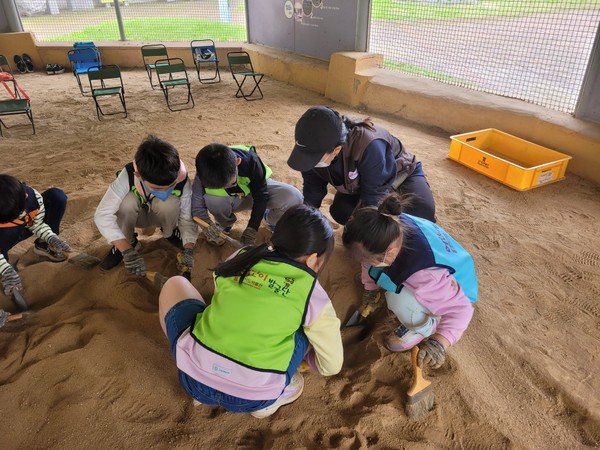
(83,260)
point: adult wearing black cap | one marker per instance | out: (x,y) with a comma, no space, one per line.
(362,161)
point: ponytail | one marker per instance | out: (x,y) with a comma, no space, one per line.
(301,231)
(376,228)
(241,263)
(354,122)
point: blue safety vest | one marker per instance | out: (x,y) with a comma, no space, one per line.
(427,245)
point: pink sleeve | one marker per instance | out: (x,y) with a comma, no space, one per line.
(439,292)
(367,281)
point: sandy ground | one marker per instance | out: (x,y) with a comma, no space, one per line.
(90,368)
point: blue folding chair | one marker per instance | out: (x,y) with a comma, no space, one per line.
(204,52)
(83,56)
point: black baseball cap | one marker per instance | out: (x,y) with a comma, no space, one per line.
(318,131)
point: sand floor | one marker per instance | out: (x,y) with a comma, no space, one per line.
(90,368)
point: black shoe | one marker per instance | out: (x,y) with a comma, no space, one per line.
(114,257)
(175,239)
(41,248)
(28,62)
(21,66)
(111,260)
(54,69)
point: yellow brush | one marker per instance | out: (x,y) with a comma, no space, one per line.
(158,279)
(235,243)
(420,395)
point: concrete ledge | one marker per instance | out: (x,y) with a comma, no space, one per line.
(128,54)
(459,110)
(301,71)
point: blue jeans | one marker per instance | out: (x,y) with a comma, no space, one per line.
(181,317)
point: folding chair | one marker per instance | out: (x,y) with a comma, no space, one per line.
(83,56)
(171,73)
(106,81)
(241,68)
(204,52)
(17,104)
(8,74)
(150,55)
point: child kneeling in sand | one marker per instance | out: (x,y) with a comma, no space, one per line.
(428,277)
(267,314)
(152,191)
(232,179)
(25,212)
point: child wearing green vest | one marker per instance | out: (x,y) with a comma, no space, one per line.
(268,313)
(151,191)
(232,179)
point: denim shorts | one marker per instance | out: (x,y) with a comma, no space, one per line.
(182,316)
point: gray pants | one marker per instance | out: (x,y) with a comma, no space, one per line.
(159,214)
(411,313)
(281,197)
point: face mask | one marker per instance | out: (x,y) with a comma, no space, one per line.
(382,263)
(322,164)
(162,195)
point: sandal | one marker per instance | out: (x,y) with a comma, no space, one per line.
(28,62)
(21,67)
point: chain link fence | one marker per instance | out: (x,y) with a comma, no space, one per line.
(143,20)
(533,50)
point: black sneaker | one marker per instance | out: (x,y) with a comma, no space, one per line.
(114,257)
(41,248)
(54,69)
(175,239)
(111,260)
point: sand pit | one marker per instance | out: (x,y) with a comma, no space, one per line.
(90,367)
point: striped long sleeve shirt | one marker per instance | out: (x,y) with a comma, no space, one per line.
(38,228)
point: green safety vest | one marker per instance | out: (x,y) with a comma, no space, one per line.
(254,323)
(242,182)
(177,190)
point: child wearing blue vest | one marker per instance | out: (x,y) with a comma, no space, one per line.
(24,212)
(428,278)
(267,314)
(151,191)
(232,179)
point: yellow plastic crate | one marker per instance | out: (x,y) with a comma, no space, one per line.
(518,163)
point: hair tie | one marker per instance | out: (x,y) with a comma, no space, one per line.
(270,248)
(393,216)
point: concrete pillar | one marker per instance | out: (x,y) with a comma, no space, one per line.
(12,16)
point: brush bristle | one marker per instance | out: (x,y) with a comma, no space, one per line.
(420,403)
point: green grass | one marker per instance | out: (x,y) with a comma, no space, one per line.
(422,71)
(157,28)
(420,10)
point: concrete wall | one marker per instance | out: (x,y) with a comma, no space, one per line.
(310,28)
(356,79)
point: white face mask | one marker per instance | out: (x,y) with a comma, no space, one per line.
(322,164)
(382,264)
